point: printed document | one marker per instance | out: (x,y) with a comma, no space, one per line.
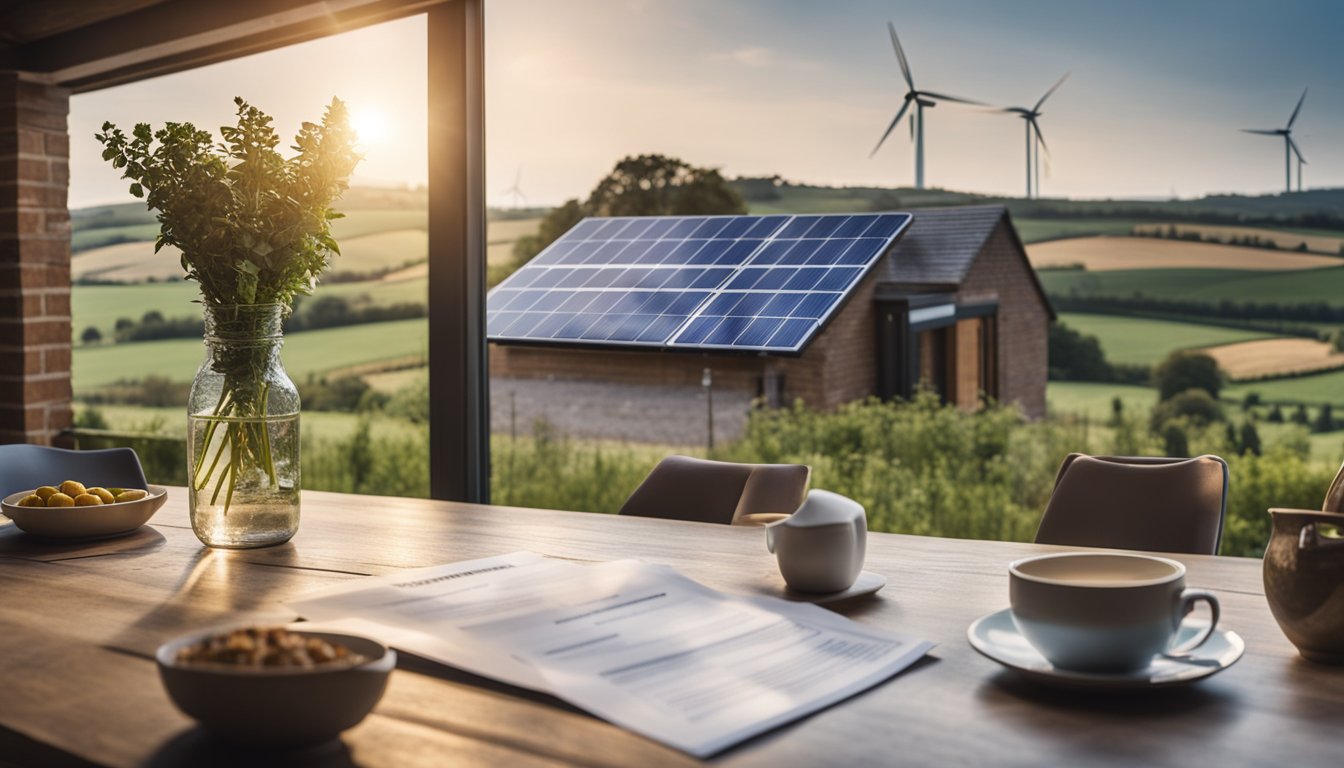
(637,644)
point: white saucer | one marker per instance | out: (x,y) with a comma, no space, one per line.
(996,637)
(867,583)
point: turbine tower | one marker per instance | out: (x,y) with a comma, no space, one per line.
(1289,146)
(1033,147)
(516,190)
(920,99)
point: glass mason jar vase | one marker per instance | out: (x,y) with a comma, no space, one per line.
(243,432)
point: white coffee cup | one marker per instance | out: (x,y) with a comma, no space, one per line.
(1104,612)
(820,547)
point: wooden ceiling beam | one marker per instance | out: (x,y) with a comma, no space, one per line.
(183,34)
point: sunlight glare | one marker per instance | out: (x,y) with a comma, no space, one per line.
(369,124)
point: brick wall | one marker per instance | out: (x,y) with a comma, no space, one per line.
(838,366)
(34,261)
(1023,322)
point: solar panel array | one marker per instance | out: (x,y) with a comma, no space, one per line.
(755,283)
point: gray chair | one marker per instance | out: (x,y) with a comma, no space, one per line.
(684,488)
(1137,502)
(24,467)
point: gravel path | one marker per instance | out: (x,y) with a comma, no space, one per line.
(629,412)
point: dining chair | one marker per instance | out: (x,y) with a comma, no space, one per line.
(699,490)
(1137,502)
(24,467)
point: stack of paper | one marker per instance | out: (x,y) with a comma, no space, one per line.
(637,644)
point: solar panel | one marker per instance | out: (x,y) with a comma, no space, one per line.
(755,283)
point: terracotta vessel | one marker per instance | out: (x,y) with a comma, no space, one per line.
(1304,581)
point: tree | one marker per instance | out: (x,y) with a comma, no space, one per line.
(1195,405)
(1075,357)
(1275,415)
(1325,420)
(123,323)
(91,335)
(642,185)
(1300,415)
(1250,439)
(1251,400)
(1182,371)
(1174,440)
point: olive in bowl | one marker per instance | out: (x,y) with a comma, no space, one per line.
(51,513)
(270,687)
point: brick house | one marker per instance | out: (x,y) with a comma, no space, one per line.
(954,304)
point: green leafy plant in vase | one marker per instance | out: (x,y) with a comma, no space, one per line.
(254,230)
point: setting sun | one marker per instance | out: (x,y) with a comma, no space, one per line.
(370,125)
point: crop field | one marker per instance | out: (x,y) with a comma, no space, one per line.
(304,353)
(1314,389)
(1317,243)
(1210,285)
(1117,253)
(1037,230)
(1140,341)
(1271,357)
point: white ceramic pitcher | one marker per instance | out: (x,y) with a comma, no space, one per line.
(820,547)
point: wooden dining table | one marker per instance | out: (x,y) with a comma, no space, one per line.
(79,624)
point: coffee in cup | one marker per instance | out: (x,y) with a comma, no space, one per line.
(1103,612)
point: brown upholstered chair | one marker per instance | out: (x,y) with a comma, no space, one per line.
(683,488)
(1144,503)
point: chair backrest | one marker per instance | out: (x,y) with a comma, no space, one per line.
(685,488)
(23,467)
(1137,502)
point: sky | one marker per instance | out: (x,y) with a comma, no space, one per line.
(1157,93)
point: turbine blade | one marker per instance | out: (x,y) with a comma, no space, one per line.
(890,128)
(911,121)
(1297,109)
(1296,151)
(900,56)
(957,99)
(1039,138)
(1037,108)
(1261,133)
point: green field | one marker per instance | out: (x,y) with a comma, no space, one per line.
(101,305)
(304,353)
(1299,286)
(1139,341)
(1321,388)
(1037,230)
(319,424)
(1093,399)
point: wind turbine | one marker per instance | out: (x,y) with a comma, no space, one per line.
(1033,148)
(1289,146)
(516,190)
(920,99)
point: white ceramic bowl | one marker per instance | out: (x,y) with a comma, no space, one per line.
(99,521)
(282,706)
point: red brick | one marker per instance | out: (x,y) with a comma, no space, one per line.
(38,275)
(42,331)
(32,142)
(60,170)
(57,303)
(34,170)
(44,390)
(42,248)
(34,118)
(46,196)
(57,145)
(56,359)
(44,98)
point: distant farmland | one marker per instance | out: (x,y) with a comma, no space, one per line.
(1138,341)
(303,353)
(1275,357)
(1301,286)
(1119,253)
(1286,240)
